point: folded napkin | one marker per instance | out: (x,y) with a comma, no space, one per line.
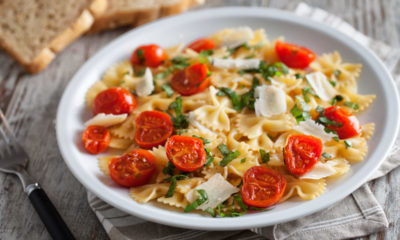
(357,215)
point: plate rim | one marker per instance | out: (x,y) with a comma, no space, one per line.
(229,223)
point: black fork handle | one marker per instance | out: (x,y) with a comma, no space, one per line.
(48,213)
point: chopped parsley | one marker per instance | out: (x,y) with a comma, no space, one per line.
(324,120)
(298,75)
(180,131)
(211,212)
(229,156)
(205,56)
(172,186)
(306,91)
(255,47)
(264,156)
(205,141)
(250,56)
(203,197)
(348,143)
(336,99)
(267,71)
(326,155)
(243,160)
(180,121)
(352,105)
(333,83)
(167,88)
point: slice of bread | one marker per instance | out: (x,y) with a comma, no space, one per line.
(137,12)
(33,31)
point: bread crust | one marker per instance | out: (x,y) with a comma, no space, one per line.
(139,16)
(47,54)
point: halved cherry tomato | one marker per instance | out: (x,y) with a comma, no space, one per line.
(191,80)
(96,139)
(186,153)
(202,44)
(152,128)
(150,55)
(302,152)
(350,125)
(114,101)
(133,169)
(294,56)
(262,186)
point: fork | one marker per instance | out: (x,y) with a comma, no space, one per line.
(13,159)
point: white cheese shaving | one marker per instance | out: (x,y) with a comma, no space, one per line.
(146,86)
(231,63)
(320,170)
(321,85)
(198,125)
(106,120)
(309,127)
(217,189)
(237,37)
(270,101)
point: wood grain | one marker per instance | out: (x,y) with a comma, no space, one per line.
(30,103)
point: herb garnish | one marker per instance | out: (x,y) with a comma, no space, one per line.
(352,105)
(180,120)
(140,55)
(167,88)
(337,73)
(303,113)
(333,83)
(326,155)
(169,169)
(267,71)
(336,99)
(229,156)
(141,72)
(203,197)
(177,63)
(348,143)
(209,157)
(298,75)
(306,91)
(240,102)
(243,160)
(172,186)
(264,156)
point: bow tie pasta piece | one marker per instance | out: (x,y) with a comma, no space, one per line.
(367,130)
(148,192)
(161,163)
(125,130)
(261,142)
(177,200)
(92,92)
(103,162)
(360,102)
(157,101)
(114,76)
(306,189)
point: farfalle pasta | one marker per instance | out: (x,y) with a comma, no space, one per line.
(229,123)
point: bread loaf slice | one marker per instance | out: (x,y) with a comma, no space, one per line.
(137,12)
(33,31)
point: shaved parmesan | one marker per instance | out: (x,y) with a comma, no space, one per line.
(309,127)
(106,120)
(270,101)
(217,189)
(146,86)
(236,37)
(321,86)
(320,170)
(231,63)
(198,125)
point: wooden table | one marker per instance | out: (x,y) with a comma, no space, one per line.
(30,103)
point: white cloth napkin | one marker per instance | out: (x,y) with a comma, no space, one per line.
(357,215)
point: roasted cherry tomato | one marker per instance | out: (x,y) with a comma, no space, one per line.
(302,152)
(96,139)
(186,153)
(294,56)
(202,44)
(350,126)
(191,80)
(152,128)
(133,169)
(114,101)
(262,186)
(150,55)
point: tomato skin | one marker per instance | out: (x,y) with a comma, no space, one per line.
(133,169)
(152,128)
(96,139)
(294,56)
(262,186)
(302,152)
(114,101)
(191,80)
(202,44)
(351,126)
(150,55)
(186,153)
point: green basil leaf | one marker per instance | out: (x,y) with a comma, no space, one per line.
(140,55)
(352,105)
(348,143)
(209,157)
(229,158)
(172,186)
(167,88)
(211,212)
(203,197)
(326,155)
(169,169)
(336,99)
(264,156)
(337,73)
(223,149)
(243,160)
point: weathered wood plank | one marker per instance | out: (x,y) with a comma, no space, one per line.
(31,105)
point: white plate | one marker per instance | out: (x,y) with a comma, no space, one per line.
(375,79)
